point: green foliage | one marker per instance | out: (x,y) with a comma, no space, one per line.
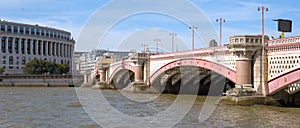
(1,70)
(41,67)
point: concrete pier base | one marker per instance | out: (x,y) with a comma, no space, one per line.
(247,100)
(85,85)
(140,87)
(103,85)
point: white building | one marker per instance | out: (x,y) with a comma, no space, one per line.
(21,43)
(86,61)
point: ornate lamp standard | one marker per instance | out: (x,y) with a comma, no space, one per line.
(193,34)
(221,20)
(157,40)
(264,58)
(173,35)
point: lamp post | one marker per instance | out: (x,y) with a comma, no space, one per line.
(172,35)
(264,58)
(144,45)
(193,34)
(157,40)
(221,20)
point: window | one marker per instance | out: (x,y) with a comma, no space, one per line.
(8,29)
(3,62)
(21,30)
(63,36)
(2,27)
(23,60)
(3,40)
(236,40)
(55,35)
(16,29)
(39,47)
(42,32)
(47,33)
(37,32)
(51,34)
(11,60)
(44,47)
(33,47)
(27,31)
(23,46)
(10,48)
(28,46)
(16,45)
(32,31)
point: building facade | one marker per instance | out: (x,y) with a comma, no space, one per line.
(21,43)
(86,61)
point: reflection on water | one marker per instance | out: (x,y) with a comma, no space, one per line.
(59,107)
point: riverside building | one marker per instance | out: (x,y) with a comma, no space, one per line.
(21,43)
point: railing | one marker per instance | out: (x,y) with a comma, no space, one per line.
(196,52)
(289,40)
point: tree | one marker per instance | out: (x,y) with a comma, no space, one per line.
(1,70)
(41,67)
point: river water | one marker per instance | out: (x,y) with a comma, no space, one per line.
(61,108)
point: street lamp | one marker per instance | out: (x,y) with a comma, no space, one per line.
(157,40)
(264,59)
(193,34)
(221,20)
(145,46)
(172,35)
(263,9)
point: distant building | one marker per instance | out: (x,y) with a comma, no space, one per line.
(21,43)
(85,61)
(213,43)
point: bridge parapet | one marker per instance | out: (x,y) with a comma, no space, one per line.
(219,55)
(283,55)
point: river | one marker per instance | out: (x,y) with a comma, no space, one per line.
(61,108)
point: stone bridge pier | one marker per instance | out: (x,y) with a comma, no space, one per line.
(141,64)
(102,72)
(249,65)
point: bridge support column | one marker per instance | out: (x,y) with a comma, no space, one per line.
(138,73)
(103,84)
(141,73)
(246,48)
(102,76)
(244,73)
(102,66)
(244,84)
(86,79)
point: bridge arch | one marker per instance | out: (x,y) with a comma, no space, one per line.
(94,77)
(183,75)
(122,76)
(283,81)
(218,68)
(121,67)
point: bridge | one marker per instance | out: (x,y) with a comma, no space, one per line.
(245,64)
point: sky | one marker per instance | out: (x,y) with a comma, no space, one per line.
(117,25)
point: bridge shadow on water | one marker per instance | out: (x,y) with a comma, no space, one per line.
(192,80)
(181,80)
